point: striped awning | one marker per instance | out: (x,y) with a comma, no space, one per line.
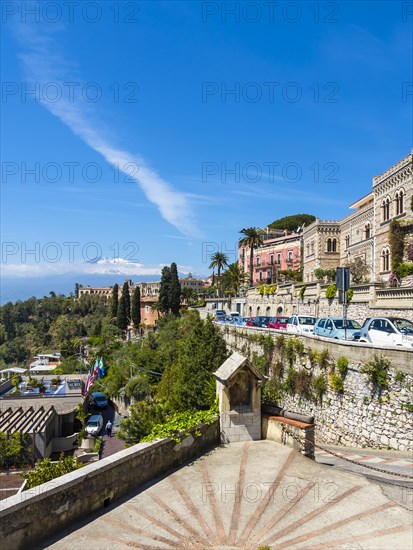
(25,420)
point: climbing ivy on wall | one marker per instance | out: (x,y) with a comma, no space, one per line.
(396,241)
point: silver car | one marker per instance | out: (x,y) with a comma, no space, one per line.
(387,331)
(337,328)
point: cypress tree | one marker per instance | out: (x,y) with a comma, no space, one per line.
(136,307)
(126,294)
(174,290)
(122,318)
(123,313)
(115,302)
(164,305)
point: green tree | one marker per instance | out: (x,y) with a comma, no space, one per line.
(233,279)
(164,291)
(123,315)
(174,290)
(188,295)
(115,302)
(218,260)
(292,222)
(201,351)
(253,237)
(45,470)
(12,449)
(136,307)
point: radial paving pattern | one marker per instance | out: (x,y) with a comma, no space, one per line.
(249,495)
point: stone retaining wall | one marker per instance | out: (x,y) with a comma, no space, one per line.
(25,518)
(358,416)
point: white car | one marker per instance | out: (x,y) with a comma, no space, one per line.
(387,331)
(94,424)
(301,324)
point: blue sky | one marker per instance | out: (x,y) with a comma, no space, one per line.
(143,156)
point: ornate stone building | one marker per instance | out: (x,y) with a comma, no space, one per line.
(321,247)
(365,232)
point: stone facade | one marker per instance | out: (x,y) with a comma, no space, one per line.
(365,232)
(359,416)
(321,247)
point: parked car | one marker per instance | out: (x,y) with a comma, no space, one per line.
(301,324)
(279,323)
(387,331)
(249,321)
(220,318)
(99,400)
(94,424)
(337,328)
(219,313)
(260,321)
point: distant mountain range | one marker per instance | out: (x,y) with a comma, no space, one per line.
(15,288)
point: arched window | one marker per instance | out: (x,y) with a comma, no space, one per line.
(279,310)
(331,245)
(267,311)
(367,230)
(347,241)
(385,259)
(386,209)
(399,202)
(258,310)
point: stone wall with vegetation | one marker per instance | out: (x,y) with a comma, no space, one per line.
(358,395)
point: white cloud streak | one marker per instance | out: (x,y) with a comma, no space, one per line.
(44,67)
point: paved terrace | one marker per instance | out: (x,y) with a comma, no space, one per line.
(247,495)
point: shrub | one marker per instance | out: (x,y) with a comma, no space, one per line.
(342,366)
(45,470)
(303,383)
(336,382)
(319,387)
(350,293)
(324,359)
(331,292)
(404,270)
(302,292)
(290,381)
(377,370)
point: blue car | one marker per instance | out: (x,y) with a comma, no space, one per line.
(99,400)
(337,328)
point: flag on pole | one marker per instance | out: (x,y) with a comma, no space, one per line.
(101,368)
(89,382)
(96,369)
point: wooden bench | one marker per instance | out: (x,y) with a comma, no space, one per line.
(293,433)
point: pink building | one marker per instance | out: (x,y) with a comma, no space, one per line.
(279,251)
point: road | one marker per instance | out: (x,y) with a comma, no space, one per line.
(395,487)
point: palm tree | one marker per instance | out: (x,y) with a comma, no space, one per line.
(234,278)
(218,260)
(252,239)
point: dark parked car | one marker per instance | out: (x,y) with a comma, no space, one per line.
(261,321)
(99,400)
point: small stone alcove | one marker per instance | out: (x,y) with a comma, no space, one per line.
(239,390)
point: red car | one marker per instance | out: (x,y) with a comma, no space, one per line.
(279,323)
(249,322)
